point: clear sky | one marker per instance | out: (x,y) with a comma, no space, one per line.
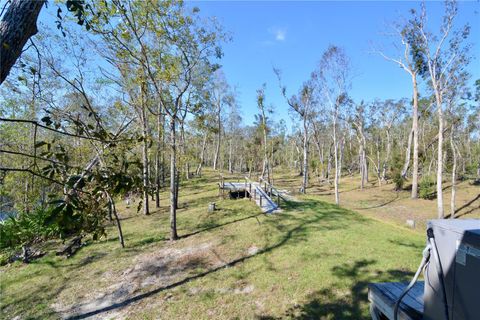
(293,35)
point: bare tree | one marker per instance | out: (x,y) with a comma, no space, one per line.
(334,82)
(303,106)
(411,61)
(445,56)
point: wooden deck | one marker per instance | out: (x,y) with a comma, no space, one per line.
(383,296)
(258,193)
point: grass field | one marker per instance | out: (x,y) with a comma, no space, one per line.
(387,205)
(313,260)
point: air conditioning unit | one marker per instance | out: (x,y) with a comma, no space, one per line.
(457,291)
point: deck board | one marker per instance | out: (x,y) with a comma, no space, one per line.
(383,297)
(267,205)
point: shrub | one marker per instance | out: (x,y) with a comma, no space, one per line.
(26,228)
(426,188)
(398,180)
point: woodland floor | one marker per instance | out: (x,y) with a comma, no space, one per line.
(387,205)
(312,260)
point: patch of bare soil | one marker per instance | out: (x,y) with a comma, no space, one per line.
(149,271)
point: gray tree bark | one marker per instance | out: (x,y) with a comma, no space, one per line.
(18,25)
(173,183)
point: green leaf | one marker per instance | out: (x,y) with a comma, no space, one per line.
(40,143)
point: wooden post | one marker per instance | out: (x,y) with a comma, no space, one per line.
(250,191)
(278,198)
(255,194)
(260,201)
(245,188)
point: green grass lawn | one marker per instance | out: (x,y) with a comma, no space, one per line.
(313,260)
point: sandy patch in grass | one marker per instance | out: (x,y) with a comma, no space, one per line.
(149,271)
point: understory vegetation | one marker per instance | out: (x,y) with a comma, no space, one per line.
(235,262)
(119,123)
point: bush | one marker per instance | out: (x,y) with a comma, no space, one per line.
(26,228)
(426,188)
(398,180)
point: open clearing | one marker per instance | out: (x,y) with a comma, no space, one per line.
(387,205)
(312,260)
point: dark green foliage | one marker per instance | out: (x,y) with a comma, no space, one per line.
(426,188)
(27,229)
(398,180)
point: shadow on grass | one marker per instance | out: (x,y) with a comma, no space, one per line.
(294,228)
(381,204)
(331,303)
(466,205)
(213,225)
(406,244)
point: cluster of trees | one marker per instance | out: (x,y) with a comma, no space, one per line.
(134,101)
(89,116)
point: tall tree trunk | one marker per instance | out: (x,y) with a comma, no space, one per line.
(157,157)
(454,173)
(335,155)
(230,165)
(440,157)
(415,138)
(340,157)
(362,167)
(387,156)
(173,184)
(202,155)
(407,155)
(113,209)
(305,156)
(217,149)
(145,175)
(322,162)
(18,25)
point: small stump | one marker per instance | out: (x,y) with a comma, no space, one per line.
(212,207)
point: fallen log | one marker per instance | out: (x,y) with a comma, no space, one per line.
(71,248)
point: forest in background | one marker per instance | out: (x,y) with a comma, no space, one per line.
(134,101)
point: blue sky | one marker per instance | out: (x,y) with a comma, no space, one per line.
(293,35)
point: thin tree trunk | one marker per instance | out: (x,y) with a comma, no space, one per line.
(145,176)
(117,220)
(305,156)
(454,174)
(230,164)
(173,185)
(202,155)
(217,149)
(387,156)
(440,158)
(157,158)
(415,138)
(407,155)
(335,151)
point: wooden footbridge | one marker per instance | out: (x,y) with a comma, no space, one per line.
(265,195)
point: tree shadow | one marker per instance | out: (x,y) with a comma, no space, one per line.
(294,229)
(466,205)
(406,244)
(381,204)
(212,225)
(331,303)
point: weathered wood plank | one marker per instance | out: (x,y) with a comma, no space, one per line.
(383,297)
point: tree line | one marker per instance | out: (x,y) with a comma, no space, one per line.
(133,100)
